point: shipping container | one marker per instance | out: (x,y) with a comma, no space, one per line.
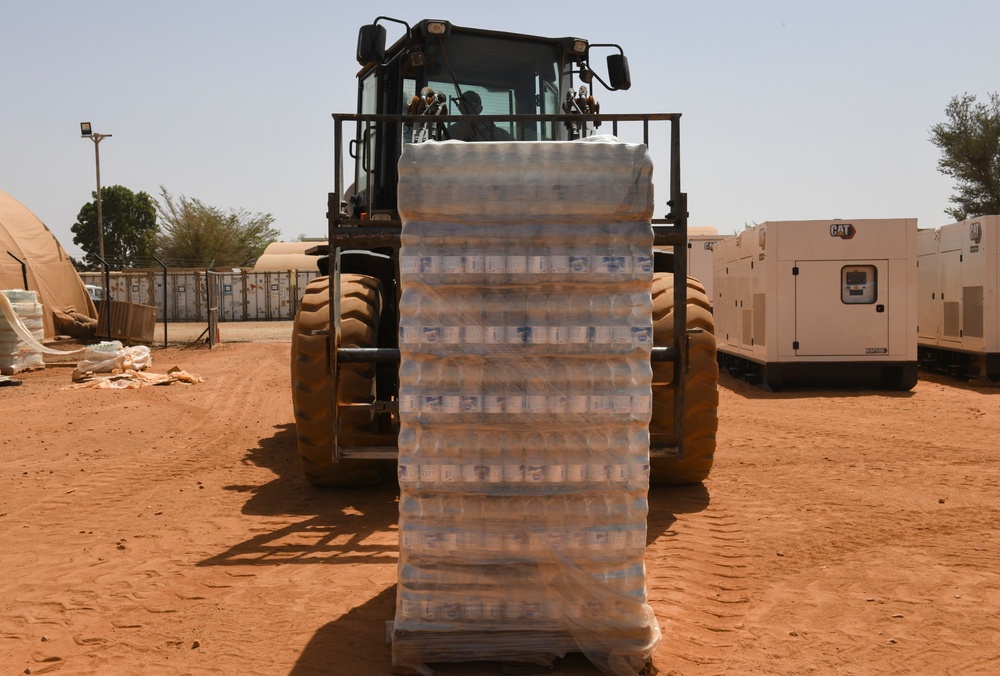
(819,303)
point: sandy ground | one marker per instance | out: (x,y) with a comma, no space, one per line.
(167,530)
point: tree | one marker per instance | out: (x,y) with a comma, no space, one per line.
(970,153)
(194,234)
(129,228)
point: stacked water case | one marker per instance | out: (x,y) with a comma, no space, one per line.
(525,398)
(15,354)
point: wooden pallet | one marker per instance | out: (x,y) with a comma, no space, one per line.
(413,650)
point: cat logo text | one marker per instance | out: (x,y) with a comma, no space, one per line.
(842,230)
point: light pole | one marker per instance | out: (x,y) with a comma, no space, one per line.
(87,132)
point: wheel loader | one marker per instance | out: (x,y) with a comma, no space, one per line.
(424,88)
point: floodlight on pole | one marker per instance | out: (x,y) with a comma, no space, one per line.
(86,131)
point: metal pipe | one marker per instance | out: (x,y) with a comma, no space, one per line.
(97,138)
(24,269)
(106,300)
(165,313)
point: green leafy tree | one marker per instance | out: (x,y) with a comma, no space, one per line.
(129,220)
(970,153)
(193,234)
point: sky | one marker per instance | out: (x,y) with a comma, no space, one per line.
(792,109)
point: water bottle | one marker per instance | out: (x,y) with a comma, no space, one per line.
(431,262)
(557,388)
(638,461)
(578,385)
(451,315)
(534,459)
(558,263)
(642,265)
(516,318)
(599,388)
(537,393)
(410,333)
(538,266)
(601,323)
(495,334)
(641,376)
(471,374)
(430,463)
(428,391)
(513,458)
(474,263)
(451,246)
(622,386)
(537,316)
(515,401)
(409,386)
(622,320)
(466,449)
(619,454)
(598,472)
(516,265)
(473,321)
(496,266)
(450,388)
(556,468)
(556,318)
(491,468)
(578,319)
(579,261)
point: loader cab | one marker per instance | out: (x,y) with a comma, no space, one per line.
(438,65)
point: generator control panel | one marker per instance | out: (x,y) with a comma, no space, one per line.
(858,284)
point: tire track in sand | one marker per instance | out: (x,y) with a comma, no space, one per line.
(697,564)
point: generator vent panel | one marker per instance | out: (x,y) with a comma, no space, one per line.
(972,311)
(952,315)
(759,319)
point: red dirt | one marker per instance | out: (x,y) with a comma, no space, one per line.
(167,530)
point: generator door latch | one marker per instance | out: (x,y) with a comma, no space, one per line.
(879,308)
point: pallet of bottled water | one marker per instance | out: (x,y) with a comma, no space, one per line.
(524,403)
(15,354)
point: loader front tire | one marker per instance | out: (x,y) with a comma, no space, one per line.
(701,414)
(313,385)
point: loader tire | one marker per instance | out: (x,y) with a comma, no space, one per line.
(701,419)
(313,385)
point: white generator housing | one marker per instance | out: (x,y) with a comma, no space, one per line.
(819,303)
(958,278)
(701,255)
(700,259)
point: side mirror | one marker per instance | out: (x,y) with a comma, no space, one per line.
(618,72)
(371,44)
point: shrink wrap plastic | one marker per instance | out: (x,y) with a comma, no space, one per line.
(524,403)
(16,354)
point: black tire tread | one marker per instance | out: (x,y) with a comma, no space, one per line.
(312,383)
(701,386)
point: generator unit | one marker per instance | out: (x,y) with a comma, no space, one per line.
(701,256)
(958,326)
(819,303)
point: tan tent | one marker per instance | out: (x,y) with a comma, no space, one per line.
(49,269)
(282,256)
